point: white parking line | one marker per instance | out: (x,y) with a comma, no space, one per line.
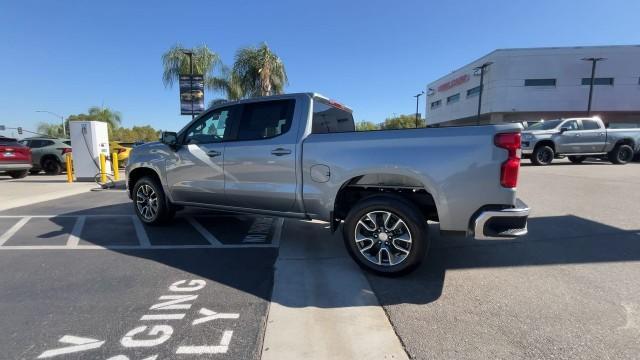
(74,237)
(141,233)
(73,242)
(14,229)
(204,232)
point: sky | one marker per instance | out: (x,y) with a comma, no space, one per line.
(65,56)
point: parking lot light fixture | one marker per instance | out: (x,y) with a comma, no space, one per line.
(64,131)
(594,61)
(481,69)
(417,101)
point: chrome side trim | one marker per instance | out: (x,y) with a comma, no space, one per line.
(521,210)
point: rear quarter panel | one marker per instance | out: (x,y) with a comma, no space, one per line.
(458,166)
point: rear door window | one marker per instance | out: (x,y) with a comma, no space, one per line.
(264,120)
(590,125)
(328,118)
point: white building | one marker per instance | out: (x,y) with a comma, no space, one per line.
(540,83)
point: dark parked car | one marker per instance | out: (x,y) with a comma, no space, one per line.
(15,158)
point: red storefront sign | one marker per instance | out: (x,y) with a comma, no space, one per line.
(453,83)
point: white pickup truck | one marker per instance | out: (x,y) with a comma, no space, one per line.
(578,138)
(299,156)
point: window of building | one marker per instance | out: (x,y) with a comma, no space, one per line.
(436,104)
(540,82)
(266,119)
(453,98)
(473,91)
(597,81)
(328,118)
(590,125)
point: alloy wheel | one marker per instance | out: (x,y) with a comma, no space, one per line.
(147,202)
(383,238)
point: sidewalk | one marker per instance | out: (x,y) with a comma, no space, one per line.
(37,188)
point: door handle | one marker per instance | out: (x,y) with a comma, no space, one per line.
(601,134)
(213,153)
(280,152)
(577,135)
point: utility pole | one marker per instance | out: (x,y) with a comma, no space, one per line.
(481,69)
(190,54)
(417,101)
(64,130)
(594,61)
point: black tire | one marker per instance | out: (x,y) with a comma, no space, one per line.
(51,167)
(542,155)
(34,172)
(164,211)
(621,154)
(18,174)
(577,159)
(414,228)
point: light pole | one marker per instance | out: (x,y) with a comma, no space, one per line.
(64,130)
(481,69)
(594,61)
(190,54)
(417,100)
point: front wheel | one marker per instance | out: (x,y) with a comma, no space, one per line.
(386,235)
(149,202)
(621,154)
(542,155)
(52,167)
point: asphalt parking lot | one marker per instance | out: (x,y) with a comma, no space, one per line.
(82,278)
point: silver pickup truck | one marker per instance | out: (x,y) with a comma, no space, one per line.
(299,156)
(578,138)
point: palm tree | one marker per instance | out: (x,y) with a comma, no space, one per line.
(112,118)
(176,63)
(227,83)
(259,71)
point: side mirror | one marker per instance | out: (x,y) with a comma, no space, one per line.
(169,138)
(563,129)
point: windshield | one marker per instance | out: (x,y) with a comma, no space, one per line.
(545,125)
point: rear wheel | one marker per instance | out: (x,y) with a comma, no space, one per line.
(149,202)
(621,154)
(52,167)
(542,155)
(577,159)
(386,235)
(18,174)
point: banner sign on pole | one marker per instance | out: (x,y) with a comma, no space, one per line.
(191,94)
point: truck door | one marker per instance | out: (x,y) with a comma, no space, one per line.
(260,164)
(593,136)
(567,142)
(195,172)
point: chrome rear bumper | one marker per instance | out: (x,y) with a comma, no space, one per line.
(501,224)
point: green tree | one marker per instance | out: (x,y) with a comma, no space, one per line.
(367,126)
(258,71)
(53,130)
(402,122)
(136,133)
(99,113)
(175,63)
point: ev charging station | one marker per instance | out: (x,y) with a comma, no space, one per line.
(89,139)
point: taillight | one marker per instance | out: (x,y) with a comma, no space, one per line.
(509,169)
(121,150)
(65,150)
